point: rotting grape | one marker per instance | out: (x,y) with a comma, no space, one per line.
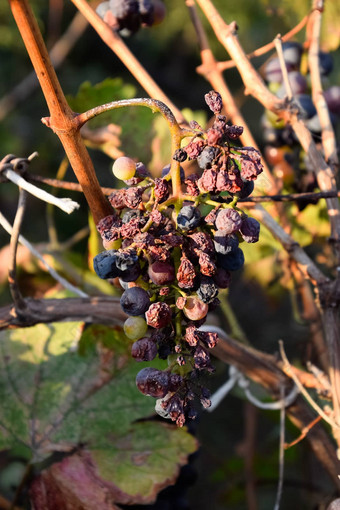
(175,253)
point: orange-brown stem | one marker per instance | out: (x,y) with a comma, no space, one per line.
(61,116)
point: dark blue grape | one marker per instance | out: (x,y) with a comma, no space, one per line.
(146,11)
(166,170)
(188,218)
(231,262)
(131,274)
(104,264)
(135,301)
(207,156)
(125,260)
(292,52)
(307,108)
(129,215)
(246,190)
(325,63)
(225,243)
(207,290)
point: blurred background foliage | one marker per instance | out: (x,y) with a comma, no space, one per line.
(92,74)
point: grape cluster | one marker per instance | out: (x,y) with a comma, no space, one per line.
(128,16)
(290,163)
(172,255)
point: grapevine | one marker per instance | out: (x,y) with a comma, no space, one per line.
(173,250)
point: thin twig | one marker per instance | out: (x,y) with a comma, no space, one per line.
(12,273)
(65,204)
(281,453)
(288,370)
(6,225)
(304,432)
(57,183)
(278,46)
(229,64)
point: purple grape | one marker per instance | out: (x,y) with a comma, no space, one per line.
(222,278)
(228,220)
(161,272)
(135,301)
(153,382)
(332,97)
(250,230)
(272,70)
(297,82)
(144,349)
(127,14)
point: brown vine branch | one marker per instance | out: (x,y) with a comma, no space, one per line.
(101,310)
(327,131)
(61,116)
(229,64)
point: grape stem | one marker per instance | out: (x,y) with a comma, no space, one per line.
(177,133)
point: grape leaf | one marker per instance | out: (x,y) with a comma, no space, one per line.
(55,399)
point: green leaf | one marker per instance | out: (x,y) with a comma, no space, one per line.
(54,399)
(130,469)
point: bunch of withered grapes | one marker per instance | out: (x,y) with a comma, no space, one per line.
(128,16)
(171,260)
